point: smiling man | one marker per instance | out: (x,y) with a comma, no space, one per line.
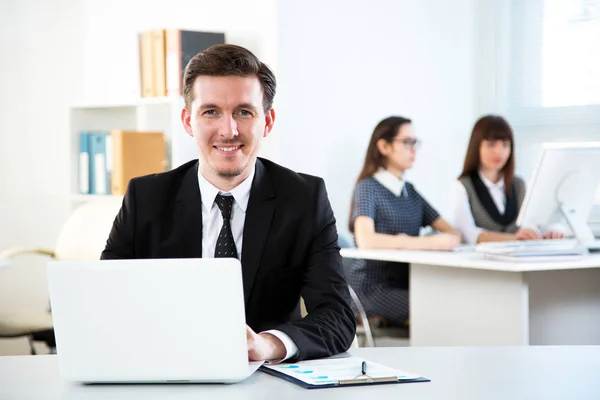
(230,203)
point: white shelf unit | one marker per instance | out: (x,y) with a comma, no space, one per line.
(82,198)
(147,114)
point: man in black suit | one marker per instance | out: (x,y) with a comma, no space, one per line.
(230,203)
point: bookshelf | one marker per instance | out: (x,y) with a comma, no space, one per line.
(146,114)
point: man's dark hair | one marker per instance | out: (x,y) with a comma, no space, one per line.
(229,60)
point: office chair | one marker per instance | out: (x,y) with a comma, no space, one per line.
(365,329)
(81,238)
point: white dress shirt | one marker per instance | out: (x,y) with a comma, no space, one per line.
(212,221)
(390,181)
(463,218)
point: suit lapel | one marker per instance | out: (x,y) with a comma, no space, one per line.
(188,216)
(259,215)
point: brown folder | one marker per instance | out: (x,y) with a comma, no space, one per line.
(135,153)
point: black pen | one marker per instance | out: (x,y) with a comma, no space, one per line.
(364,367)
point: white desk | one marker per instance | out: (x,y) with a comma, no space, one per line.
(461,299)
(456,373)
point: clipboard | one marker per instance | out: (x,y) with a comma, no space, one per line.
(340,372)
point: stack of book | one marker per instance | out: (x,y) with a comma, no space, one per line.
(533,251)
(164,54)
(108,160)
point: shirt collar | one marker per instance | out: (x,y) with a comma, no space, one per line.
(390,181)
(489,184)
(240,193)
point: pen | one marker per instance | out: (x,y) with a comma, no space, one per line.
(364,367)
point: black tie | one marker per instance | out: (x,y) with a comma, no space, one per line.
(225,243)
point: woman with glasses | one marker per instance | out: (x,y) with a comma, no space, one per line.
(387,213)
(488,196)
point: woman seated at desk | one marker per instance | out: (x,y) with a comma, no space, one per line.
(388,213)
(488,196)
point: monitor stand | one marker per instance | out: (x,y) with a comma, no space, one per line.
(578,224)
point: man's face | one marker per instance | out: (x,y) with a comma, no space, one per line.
(227,120)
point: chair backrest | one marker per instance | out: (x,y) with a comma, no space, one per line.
(83,236)
(345,240)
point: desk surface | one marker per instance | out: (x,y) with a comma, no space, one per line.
(468,259)
(457,373)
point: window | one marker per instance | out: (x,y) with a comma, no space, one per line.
(552,66)
(551,73)
(570,53)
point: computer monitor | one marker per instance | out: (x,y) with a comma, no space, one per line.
(564,184)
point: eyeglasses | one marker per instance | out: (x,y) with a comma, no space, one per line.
(409,143)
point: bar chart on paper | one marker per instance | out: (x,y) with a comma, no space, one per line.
(339,371)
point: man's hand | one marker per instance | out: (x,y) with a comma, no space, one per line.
(264,346)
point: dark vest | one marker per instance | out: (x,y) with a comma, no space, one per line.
(484,210)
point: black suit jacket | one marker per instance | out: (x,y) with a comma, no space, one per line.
(289,249)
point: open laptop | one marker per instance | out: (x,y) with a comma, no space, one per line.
(160,320)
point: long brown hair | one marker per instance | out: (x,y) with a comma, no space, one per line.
(490,127)
(387,129)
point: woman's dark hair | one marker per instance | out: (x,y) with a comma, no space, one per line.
(490,127)
(387,130)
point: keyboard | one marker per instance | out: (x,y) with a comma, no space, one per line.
(552,245)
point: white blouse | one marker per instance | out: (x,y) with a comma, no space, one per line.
(391,182)
(463,218)
(461,210)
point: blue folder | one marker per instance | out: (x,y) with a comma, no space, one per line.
(84,163)
(99,174)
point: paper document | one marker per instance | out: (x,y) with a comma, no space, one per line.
(534,259)
(529,247)
(464,248)
(331,371)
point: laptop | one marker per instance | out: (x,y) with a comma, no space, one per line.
(150,321)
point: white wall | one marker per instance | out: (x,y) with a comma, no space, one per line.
(40,58)
(345,65)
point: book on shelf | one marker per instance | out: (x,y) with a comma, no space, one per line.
(164,54)
(84,163)
(96,163)
(146,66)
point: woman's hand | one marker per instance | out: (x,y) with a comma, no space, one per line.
(554,235)
(442,241)
(527,234)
